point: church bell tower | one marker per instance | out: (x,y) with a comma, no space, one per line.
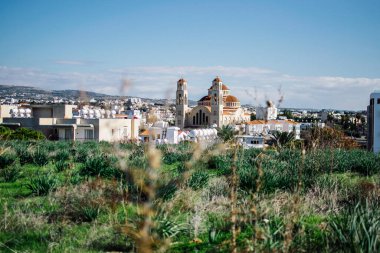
(217,102)
(181,103)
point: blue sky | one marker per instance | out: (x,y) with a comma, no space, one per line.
(322,54)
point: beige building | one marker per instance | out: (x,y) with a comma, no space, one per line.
(57,122)
(5,111)
(217,108)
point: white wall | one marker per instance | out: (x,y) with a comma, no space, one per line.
(376,122)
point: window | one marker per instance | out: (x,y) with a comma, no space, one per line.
(378,101)
(68,134)
(179,122)
(88,134)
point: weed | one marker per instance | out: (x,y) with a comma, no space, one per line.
(42,184)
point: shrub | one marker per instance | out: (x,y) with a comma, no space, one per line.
(7,157)
(356,230)
(83,150)
(89,213)
(12,172)
(42,184)
(167,227)
(26,134)
(138,162)
(100,165)
(40,156)
(84,202)
(62,155)
(5,133)
(61,165)
(220,162)
(198,179)
(23,152)
(167,191)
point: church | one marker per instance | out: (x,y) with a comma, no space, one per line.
(218,108)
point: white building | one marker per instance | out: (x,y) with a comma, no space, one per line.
(250,141)
(57,122)
(373,118)
(262,127)
(266,113)
(161,133)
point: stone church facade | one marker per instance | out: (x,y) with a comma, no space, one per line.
(216,109)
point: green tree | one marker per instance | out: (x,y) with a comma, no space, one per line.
(5,133)
(27,134)
(282,139)
(226,133)
(288,114)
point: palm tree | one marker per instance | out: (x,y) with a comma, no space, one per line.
(226,133)
(282,139)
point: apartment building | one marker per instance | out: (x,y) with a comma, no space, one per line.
(57,122)
(373,119)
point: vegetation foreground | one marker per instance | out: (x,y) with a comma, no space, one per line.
(96,197)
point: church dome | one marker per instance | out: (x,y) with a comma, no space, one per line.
(224,87)
(205,98)
(217,79)
(232,99)
(181,81)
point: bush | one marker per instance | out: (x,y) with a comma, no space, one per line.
(167,191)
(138,162)
(89,213)
(167,228)
(12,172)
(26,134)
(42,184)
(61,165)
(356,230)
(23,152)
(40,156)
(100,165)
(220,162)
(62,155)
(84,202)
(7,157)
(198,179)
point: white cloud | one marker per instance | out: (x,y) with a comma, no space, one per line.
(65,62)
(251,85)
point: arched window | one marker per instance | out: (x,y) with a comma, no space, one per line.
(193,120)
(197,119)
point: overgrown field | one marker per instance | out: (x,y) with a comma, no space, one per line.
(96,197)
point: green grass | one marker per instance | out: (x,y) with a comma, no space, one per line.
(93,200)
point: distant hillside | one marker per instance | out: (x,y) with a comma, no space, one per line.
(28,92)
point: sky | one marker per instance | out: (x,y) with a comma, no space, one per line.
(316,54)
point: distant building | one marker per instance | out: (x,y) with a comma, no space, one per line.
(57,122)
(263,127)
(5,111)
(250,141)
(373,118)
(217,108)
(267,113)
